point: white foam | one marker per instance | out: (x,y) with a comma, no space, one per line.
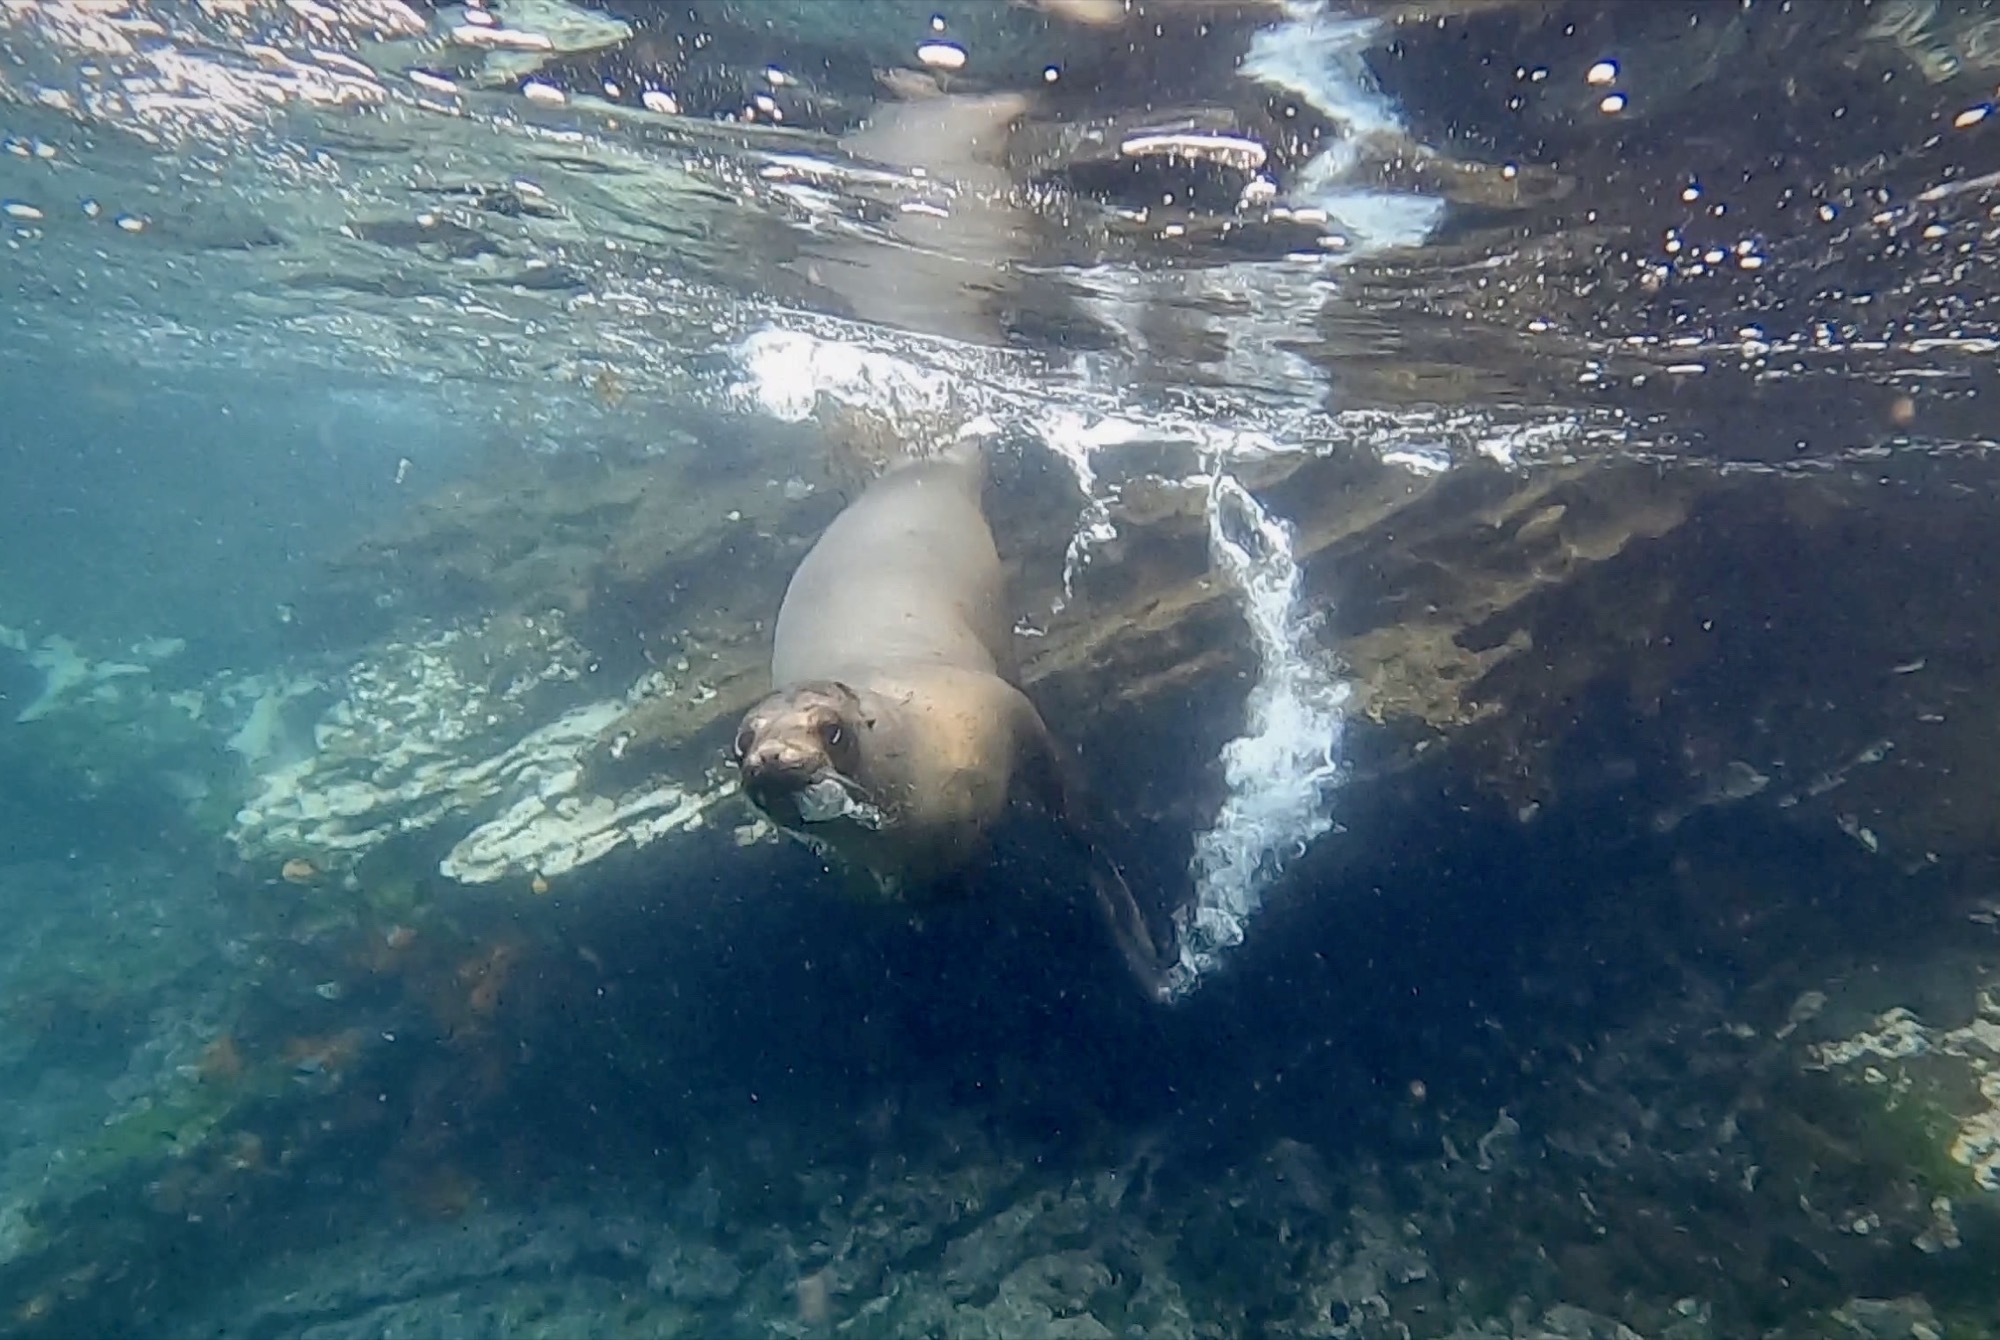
(787,371)
(1077,438)
(1281,770)
(1317,55)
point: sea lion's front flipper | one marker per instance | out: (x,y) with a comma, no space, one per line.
(1049,774)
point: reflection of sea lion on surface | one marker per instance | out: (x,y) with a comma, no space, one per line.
(894,739)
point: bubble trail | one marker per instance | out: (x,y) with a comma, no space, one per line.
(1281,770)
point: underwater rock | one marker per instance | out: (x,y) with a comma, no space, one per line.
(1951,1072)
(17,1236)
(70,678)
(567,1270)
(1346,1291)
(1477,608)
(551,829)
(443,729)
(1567,1322)
(266,735)
(124,749)
(694,1272)
(1657,1176)
(116,982)
(1889,1319)
(1046,1296)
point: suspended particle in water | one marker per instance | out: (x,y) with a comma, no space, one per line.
(942,55)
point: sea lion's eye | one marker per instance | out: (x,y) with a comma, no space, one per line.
(833,734)
(744,739)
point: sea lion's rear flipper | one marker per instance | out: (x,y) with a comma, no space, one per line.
(1127,924)
(1050,775)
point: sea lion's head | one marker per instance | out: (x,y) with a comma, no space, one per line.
(798,754)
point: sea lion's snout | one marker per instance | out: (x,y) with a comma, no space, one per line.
(780,766)
(774,766)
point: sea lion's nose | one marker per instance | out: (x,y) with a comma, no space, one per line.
(774,774)
(776,764)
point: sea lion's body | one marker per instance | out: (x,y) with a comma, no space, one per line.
(906,576)
(902,600)
(895,738)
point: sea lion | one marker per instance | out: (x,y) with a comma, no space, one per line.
(895,738)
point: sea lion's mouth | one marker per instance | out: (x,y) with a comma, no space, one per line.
(831,797)
(827,797)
